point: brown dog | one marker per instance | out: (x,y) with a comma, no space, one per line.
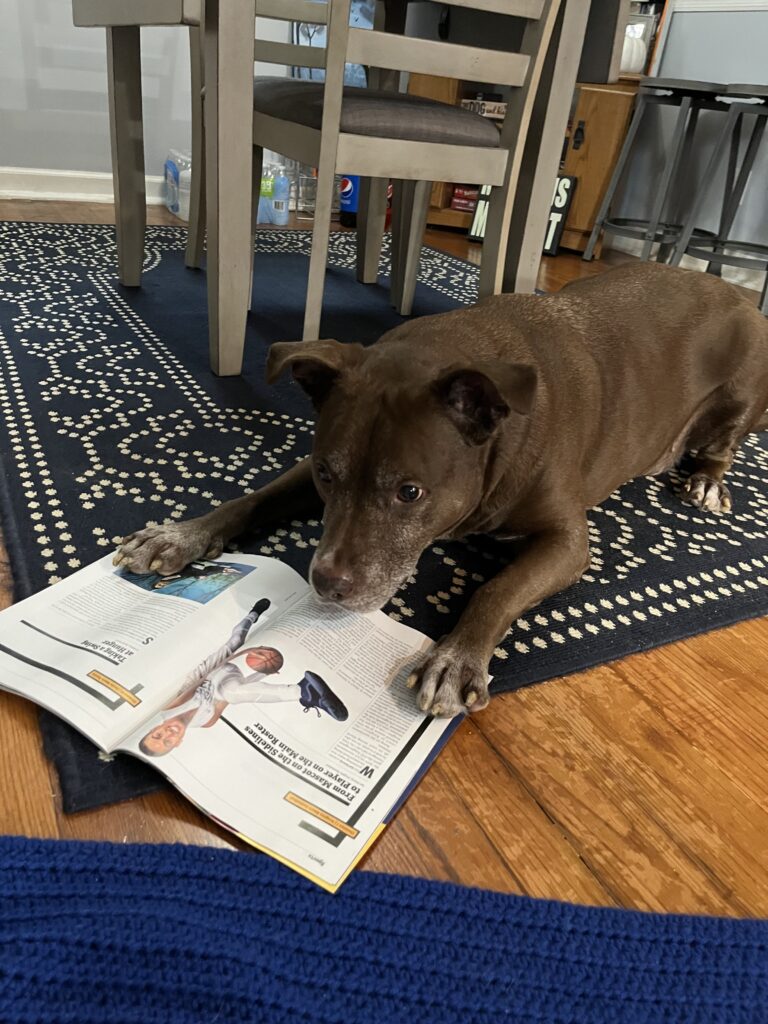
(513,418)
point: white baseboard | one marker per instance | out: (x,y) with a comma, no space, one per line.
(754,279)
(67,186)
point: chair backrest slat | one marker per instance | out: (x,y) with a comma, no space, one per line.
(448,60)
(268,52)
(296,10)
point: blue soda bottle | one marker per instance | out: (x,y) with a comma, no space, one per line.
(349,197)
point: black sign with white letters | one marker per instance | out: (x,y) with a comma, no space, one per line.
(565,186)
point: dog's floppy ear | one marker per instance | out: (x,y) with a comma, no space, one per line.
(316,365)
(478,398)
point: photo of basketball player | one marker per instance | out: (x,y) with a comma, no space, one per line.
(200,581)
(218,682)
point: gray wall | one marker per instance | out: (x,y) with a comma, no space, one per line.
(53,89)
(717,47)
(53,99)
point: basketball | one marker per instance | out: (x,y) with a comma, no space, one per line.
(264,659)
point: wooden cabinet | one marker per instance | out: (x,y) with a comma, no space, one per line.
(597,131)
(596,134)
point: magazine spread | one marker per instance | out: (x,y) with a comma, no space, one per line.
(287,721)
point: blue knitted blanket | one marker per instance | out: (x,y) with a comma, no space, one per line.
(94,933)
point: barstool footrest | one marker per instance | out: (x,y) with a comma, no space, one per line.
(757,262)
(633,227)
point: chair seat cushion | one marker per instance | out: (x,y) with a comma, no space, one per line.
(389,115)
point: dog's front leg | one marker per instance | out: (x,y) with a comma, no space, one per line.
(167,549)
(454,675)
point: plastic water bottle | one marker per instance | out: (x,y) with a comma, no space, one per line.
(266,192)
(178,178)
(185,192)
(281,195)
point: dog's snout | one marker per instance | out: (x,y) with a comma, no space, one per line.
(331,583)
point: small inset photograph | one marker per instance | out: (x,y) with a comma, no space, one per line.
(199,581)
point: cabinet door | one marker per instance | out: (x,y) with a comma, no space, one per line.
(598,129)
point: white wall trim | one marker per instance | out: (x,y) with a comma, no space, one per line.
(72,186)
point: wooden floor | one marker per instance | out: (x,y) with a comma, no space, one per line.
(638,784)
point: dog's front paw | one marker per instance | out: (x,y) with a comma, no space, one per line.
(704,492)
(451,680)
(167,549)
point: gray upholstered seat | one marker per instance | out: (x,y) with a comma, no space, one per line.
(368,112)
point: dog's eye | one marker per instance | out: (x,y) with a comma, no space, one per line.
(323,473)
(409,493)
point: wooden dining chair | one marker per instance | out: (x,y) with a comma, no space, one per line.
(381,134)
(385,135)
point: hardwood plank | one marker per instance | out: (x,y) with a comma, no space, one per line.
(711,689)
(498,797)
(433,836)
(26,807)
(650,815)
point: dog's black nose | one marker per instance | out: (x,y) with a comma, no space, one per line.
(331,587)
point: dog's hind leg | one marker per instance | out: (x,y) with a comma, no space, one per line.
(715,439)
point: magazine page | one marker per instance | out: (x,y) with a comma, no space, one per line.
(304,738)
(105,648)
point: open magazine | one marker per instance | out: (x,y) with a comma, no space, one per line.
(287,721)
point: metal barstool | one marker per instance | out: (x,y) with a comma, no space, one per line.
(742,101)
(690,98)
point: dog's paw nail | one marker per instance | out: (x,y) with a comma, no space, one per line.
(156,566)
(412,679)
(470,698)
(118,559)
(436,710)
(727,505)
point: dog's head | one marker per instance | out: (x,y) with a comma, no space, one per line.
(401,454)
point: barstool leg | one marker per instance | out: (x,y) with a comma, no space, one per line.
(764,297)
(690,221)
(736,192)
(669,169)
(730,177)
(618,171)
(679,194)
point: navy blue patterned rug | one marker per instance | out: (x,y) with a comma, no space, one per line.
(111,419)
(93,932)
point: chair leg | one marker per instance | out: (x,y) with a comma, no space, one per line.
(672,163)
(371,219)
(228,159)
(696,206)
(618,171)
(196,227)
(521,258)
(258,163)
(410,205)
(318,259)
(401,217)
(127,137)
